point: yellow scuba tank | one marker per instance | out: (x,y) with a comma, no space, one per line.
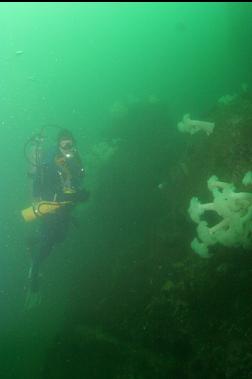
(42,208)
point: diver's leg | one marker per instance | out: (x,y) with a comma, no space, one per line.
(33,296)
(44,250)
(45,245)
(52,231)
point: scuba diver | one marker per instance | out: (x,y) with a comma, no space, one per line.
(57,175)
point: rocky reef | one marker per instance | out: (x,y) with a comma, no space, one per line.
(147,306)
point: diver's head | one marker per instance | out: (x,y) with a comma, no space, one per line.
(66,143)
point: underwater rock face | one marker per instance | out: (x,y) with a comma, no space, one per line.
(151,307)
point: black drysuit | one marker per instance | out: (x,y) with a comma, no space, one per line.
(48,185)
